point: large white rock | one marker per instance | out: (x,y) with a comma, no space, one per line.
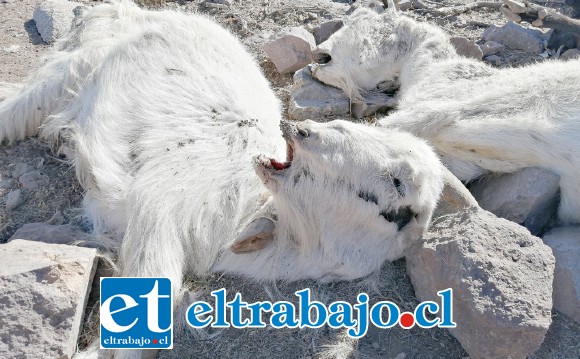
(501,277)
(516,37)
(290,49)
(311,99)
(43,292)
(53,18)
(565,244)
(528,196)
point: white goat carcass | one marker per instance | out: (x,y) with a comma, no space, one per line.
(165,115)
(478,118)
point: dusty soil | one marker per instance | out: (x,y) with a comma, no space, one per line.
(253,21)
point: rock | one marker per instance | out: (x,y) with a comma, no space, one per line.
(454,198)
(312,99)
(466,47)
(13,199)
(516,37)
(565,244)
(53,18)
(405,5)
(501,278)
(33,180)
(516,6)
(510,15)
(528,197)
(57,218)
(494,60)
(54,234)
(491,48)
(570,54)
(290,49)
(323,31)
(20,169)
(43,289)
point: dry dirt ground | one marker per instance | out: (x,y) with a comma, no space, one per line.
(253,21)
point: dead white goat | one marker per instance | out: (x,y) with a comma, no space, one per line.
(479,119)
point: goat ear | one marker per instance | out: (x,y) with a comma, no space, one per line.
(256,236)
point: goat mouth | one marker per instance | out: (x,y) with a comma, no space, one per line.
(276,165)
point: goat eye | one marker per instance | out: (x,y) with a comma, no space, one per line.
(302,132)
(322,58)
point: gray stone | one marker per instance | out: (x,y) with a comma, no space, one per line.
(13,199)
(44,288)
(570,54)
(404,5)
(516,6)
(501,278)
(454,198)
(323,31)
(466,47)
(312,99)
(53,18)
(565,244)
(516,37)
(33,180)
(528,196)
(57,218)
(54,234)
(494,59)
(290,49)
(20,169)
(491,48)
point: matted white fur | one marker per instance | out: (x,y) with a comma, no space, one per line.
(479,119)
(165,115)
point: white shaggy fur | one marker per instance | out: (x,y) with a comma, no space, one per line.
(478,118)
(163,113)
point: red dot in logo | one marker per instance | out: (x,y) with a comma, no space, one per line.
(407,320)
(154,341)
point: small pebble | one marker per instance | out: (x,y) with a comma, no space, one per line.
(20,169)
(13,199)
(33,179)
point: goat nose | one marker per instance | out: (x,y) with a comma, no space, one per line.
(321,57)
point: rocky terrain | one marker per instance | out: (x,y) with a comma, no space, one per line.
(502,275)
